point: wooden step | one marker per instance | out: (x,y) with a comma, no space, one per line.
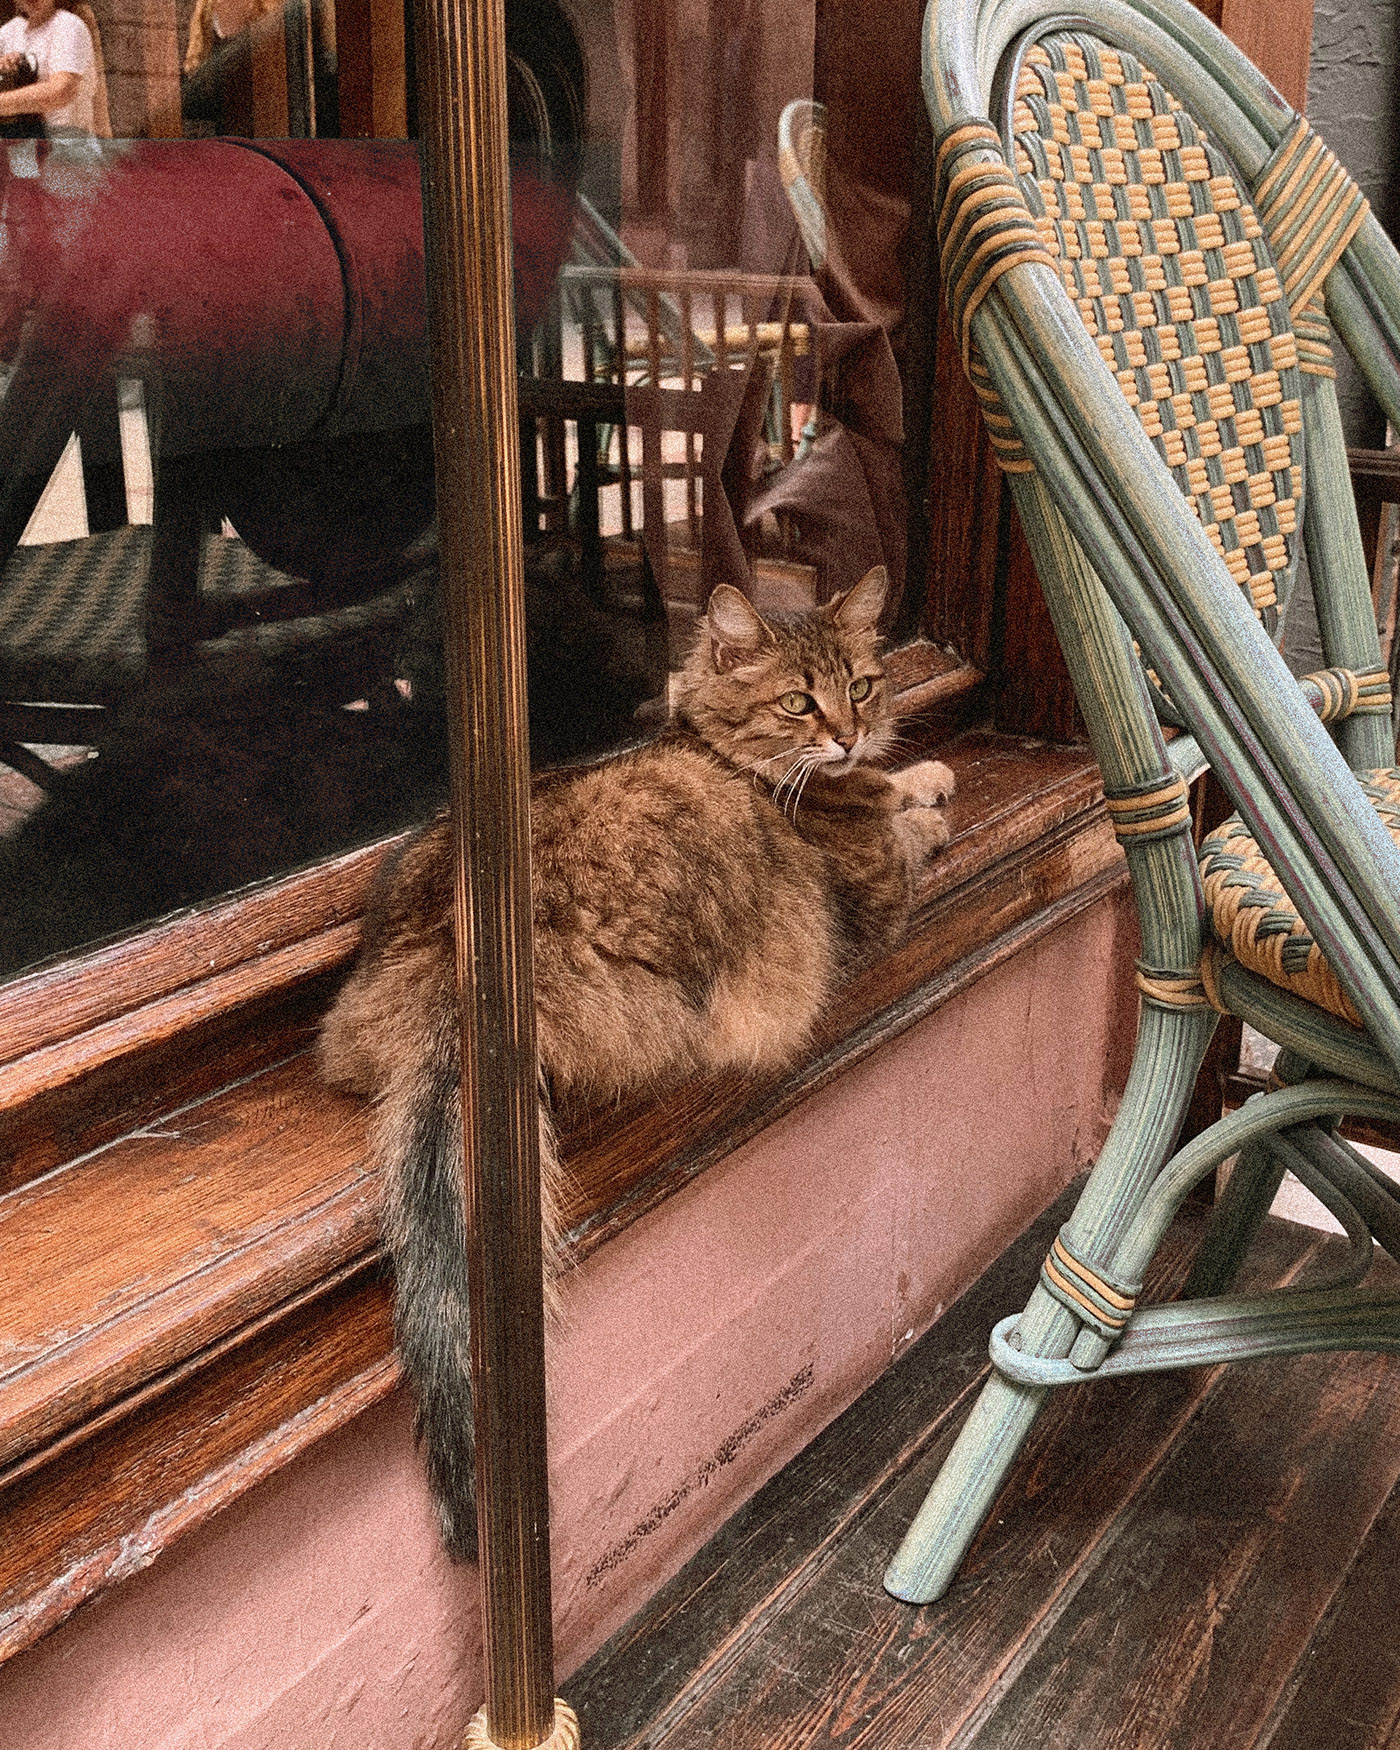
(194,1291)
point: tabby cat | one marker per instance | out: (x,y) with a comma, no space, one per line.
(697,901)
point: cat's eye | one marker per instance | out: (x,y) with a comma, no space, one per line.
(860,687)
(798,704)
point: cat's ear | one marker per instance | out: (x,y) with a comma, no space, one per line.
(860,608)
(737,630)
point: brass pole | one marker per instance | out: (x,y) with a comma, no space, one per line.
(467,217)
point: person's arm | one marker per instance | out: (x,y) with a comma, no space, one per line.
(38,99)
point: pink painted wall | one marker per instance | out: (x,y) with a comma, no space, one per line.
(700,1351)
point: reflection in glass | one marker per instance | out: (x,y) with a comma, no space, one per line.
(220,604)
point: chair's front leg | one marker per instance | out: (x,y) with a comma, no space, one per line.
(1170,1047)
(1241,1207)
(1235,1220)
(973,1472)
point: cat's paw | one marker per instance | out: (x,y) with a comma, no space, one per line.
(927,785)
(921,832)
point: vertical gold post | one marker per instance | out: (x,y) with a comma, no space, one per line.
(466,202)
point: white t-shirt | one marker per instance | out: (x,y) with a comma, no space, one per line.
(62,45)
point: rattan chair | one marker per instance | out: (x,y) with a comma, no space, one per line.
(802,166)
(1144,249)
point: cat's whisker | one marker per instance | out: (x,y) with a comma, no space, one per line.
(797,769)
(895,748)
(755,766)
(797,760)
(806,763)
(812,765)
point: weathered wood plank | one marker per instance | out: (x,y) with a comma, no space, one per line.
(746,1570)
(1221,1569)
(93,1510)
(1346,1694)
(129,1092)
(245,1201)
(778,1633)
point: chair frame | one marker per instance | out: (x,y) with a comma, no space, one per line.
(1123,559)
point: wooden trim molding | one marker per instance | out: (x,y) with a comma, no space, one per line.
(196,1298)
(98,1043)
(141,1015)
(1276,37)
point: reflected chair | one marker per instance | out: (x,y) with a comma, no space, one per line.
(802,166)
(75,643)
(673,353)
(1146,254)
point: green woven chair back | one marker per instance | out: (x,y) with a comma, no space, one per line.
(1169,268)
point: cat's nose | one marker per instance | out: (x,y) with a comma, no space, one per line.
(845,742)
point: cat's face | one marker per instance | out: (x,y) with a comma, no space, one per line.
(784,698)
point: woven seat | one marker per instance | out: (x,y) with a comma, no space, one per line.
(1254,920)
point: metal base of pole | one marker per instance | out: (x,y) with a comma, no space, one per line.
(565,1736)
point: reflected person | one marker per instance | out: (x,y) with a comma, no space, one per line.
(58,45)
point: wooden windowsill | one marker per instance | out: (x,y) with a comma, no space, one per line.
(194,1291)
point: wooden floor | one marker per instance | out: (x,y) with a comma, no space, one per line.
(1201,1561)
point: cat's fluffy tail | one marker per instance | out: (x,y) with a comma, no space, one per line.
(425,1226)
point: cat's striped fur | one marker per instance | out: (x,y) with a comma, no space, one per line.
(697,902)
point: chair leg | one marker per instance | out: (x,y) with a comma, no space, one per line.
(1170,1047)
(975,1469)
(104,482)
(1242,1205)
(18,758)
(182,518)
(1234,1222)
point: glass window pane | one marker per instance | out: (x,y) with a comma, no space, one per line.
(220,602)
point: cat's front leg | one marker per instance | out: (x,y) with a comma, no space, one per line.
(919,822)
(927,785)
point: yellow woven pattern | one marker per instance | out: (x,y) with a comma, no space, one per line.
(1169,268)
(1314,337)
(1010,452)
(1173,990)
(1310,209)
(1258,923)
(984,228)
(1335,693)
(1210,978)
(1332,692)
